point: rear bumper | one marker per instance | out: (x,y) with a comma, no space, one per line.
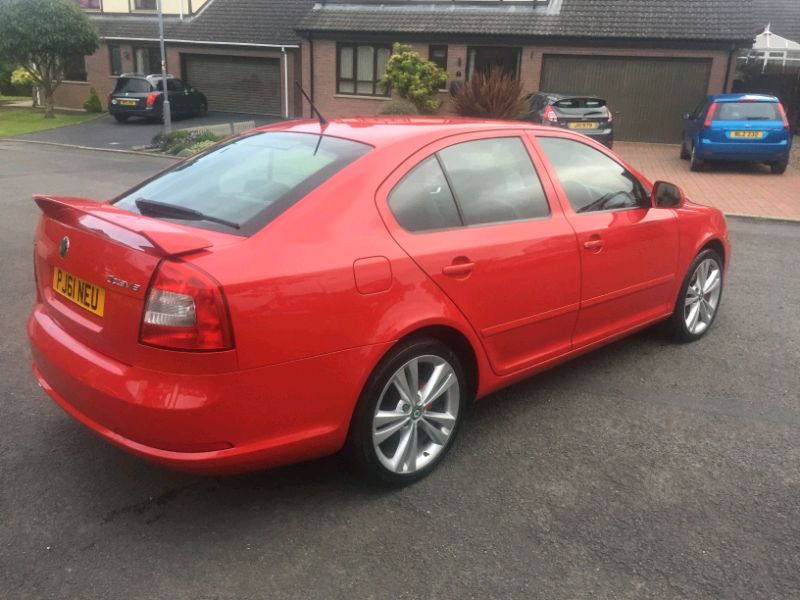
(748,151)
(213,424)
(150,113)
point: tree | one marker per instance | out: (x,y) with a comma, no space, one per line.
(42,35)
(413,78)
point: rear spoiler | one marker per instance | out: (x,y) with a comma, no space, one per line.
(130,229)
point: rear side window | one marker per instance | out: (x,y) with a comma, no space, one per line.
(249,181)
(591,180)
(494,181)
(747,111)
(131,86)
(422,201)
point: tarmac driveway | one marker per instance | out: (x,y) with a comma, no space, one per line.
(106,133)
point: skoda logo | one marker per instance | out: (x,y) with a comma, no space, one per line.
(63,247)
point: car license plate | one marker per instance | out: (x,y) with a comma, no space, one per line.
(753,135)
(82,293)
(128,102)
(582,125)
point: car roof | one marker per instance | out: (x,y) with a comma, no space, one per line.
(153,77)
(385,131)
(744,97)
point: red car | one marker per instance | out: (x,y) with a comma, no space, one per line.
(303,288)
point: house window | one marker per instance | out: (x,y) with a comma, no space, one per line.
(115,56)
(89,4)
(147,60)
(145,4)
(360,67)
(75,68)
(438,55)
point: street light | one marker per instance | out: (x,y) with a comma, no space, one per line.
(165,91)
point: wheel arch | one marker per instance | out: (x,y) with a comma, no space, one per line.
(717,246)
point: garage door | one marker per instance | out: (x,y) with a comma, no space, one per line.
(649,96)
(236,84)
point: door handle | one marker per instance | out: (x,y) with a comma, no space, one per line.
(594,243)
(459,269)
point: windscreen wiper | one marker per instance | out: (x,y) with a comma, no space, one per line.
(163,209)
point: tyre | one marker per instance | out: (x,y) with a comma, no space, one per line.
(121,118)
(409,413)
(684,152)
(778,168)
(203,110)
(699,299)
(695,164)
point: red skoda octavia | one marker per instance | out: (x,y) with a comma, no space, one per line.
(301,288)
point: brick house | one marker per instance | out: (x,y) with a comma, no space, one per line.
(654,60)
(243,54)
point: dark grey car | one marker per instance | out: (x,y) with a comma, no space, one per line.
(584,114)
(143,96)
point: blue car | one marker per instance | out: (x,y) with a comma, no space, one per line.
(745,127)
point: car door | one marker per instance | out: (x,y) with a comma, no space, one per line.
(694,124)
(178,96)
(629,249)
(474,214)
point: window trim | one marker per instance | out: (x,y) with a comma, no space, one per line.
(355,81)
(556,180)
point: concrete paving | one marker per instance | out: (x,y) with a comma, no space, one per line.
(643,470)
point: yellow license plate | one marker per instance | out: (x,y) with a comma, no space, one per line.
(756,135)
(582,125)
(82,293)
(129,102)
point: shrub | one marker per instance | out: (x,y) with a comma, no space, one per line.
(176,141)
(493,95)
(21,78)
(200,146)
(92,103)
(414,78)
(398,106)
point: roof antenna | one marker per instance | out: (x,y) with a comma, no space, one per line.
(322,120)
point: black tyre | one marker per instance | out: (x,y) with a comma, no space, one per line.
(778,168)
(684,152)
(695,164)
(121,118)
(409,413)
(699,299)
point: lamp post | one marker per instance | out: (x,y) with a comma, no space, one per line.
(165,91)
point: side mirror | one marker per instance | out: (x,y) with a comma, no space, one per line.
(668,195)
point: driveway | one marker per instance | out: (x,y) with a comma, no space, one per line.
(643,470)
(106,133)
(734,188)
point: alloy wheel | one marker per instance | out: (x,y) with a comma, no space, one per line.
(416,414)
(702,296)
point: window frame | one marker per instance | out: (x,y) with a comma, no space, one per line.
(149,49)
(446,48)
(556,180)
(355,81)
(135,8)
(85,72)
(98,8)
(111,49)
(483,136)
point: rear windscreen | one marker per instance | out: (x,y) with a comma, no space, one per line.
(249,180)
(131,86)
(581,103)
(747,111)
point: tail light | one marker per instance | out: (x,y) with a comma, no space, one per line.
(712,110)
(151,98)
(610,114)
(550,115)
(782,114)
(185,310)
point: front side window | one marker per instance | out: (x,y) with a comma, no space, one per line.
(494,181)
(591,180)
(360,67)
(248,181)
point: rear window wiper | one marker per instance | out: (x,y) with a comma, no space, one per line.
(163,209)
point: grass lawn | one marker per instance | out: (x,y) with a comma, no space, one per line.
(16,121)
(4,99)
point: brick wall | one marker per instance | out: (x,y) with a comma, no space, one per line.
(335,105)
